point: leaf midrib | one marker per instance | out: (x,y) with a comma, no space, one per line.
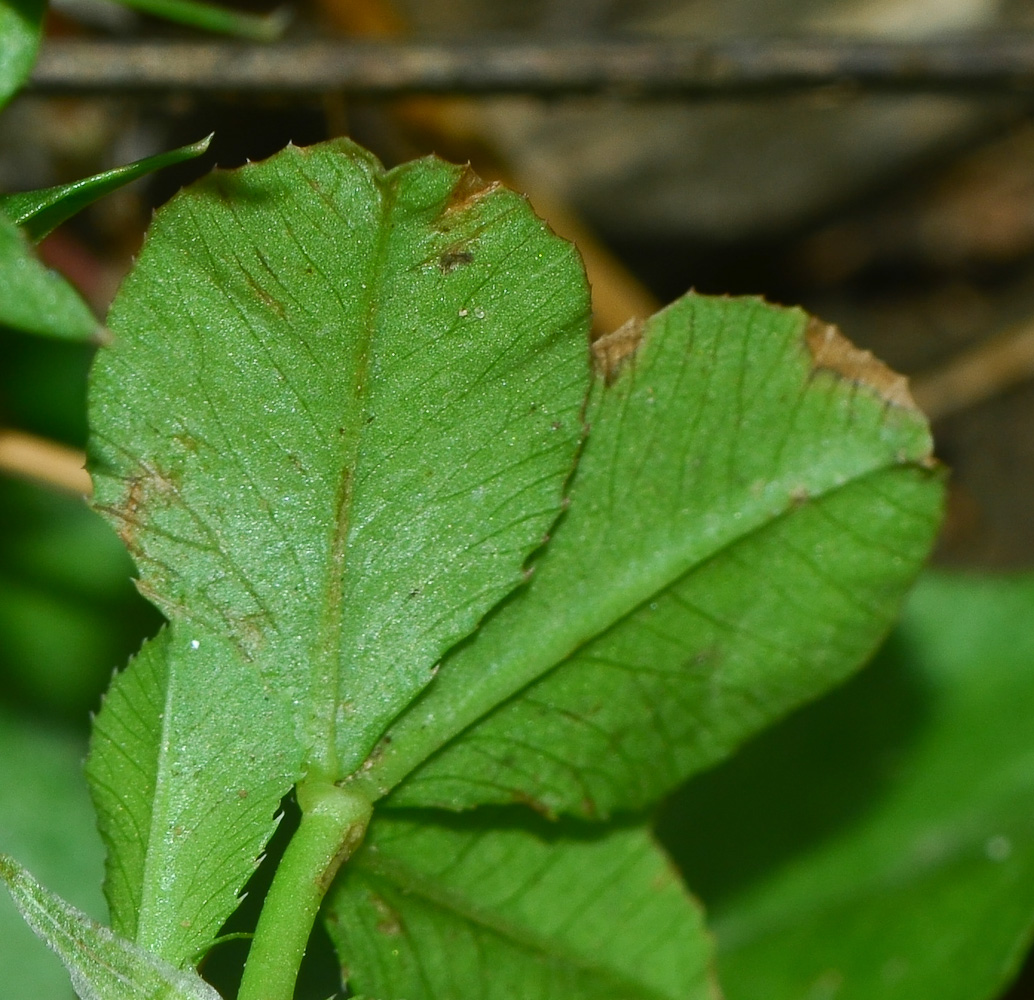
(325,687)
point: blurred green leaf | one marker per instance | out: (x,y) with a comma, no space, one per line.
(21,23)
(40,212)
(68,610)
(211,17)
(47,822)
(34,299)
(880,845)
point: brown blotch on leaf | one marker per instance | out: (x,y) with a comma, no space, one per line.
(468,190)
(142,491)
(831,351)
(388,921)
(612,351)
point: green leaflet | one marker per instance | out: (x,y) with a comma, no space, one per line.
(446,909)
(48,823)
(330,427)
(103,966)
(20,26)
(742,526)
(189,759)
(40,212)
(881,843)
(34,299)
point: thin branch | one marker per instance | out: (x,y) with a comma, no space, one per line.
(43,461)
(978,374)
(636,68)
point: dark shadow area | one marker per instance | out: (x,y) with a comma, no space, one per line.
(1023,988)
(516,818)
(242,133)
(797,784)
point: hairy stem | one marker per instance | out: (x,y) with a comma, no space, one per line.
(332,827)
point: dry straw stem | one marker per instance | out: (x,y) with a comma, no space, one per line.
(47,462)
(978,374)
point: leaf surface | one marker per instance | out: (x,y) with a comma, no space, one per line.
(881,843)
(338,415)
(21,23)
(189,759)
(34,299)
(40,212)
(102,965)
(439,909)
(753,498)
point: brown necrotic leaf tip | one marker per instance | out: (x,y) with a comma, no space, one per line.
(831,351)
(612,351)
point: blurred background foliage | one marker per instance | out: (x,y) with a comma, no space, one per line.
(907,220)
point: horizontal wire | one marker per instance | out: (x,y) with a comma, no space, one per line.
(1001,63)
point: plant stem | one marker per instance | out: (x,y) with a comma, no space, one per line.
(332,827)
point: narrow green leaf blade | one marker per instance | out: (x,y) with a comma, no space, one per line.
(48,822)
(881,843)
(189,759)
(435,909)
(40,212)
(21,23)
(36,300)
(213,17)
(753,499)
(338,415)
(102,965)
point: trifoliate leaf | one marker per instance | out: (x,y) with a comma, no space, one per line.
(337,416)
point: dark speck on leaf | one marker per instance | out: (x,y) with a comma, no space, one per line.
(452,259)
